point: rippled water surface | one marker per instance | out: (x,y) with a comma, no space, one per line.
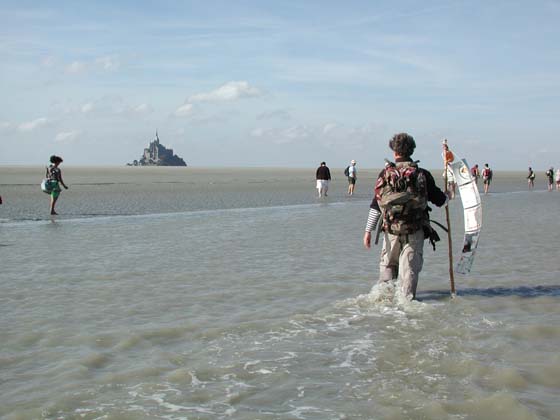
(207,294)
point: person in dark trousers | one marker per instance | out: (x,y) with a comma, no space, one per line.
(54,180)
(352,177)
(400,205)
(323,176)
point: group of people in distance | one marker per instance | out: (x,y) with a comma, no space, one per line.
(323,175)
(549,177)
(323,178)
(486,174)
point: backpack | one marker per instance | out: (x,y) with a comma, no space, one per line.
(402,195)
(347,171)
(46,184)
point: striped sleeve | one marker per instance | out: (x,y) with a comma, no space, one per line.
(373,218)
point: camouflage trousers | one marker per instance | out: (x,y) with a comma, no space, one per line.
(402,257)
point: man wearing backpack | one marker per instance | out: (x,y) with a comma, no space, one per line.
(352,173)
(402,192)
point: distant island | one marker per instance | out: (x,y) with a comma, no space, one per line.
(157,154)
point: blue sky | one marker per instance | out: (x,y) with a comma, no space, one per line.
(287,84)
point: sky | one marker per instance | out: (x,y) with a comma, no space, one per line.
(280,83)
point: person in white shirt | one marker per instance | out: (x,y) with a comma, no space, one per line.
(352,176)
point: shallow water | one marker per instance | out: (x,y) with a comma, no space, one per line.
(205,294)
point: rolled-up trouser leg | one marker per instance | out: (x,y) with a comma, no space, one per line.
(389,263)
(410,262)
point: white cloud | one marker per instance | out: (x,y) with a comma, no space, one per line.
(113,105)
(231,91)
(87,108)
(354,137)
(284,135)
(296,132)
(108,63)
(278,114)
(260,132)
(66,136)
(184,110)
(142,109)
(48,62)
(330,135)
(208,120)
(76,67)
(329,127)
(32,125)
(5,125)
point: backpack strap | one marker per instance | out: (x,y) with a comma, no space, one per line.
(378,233)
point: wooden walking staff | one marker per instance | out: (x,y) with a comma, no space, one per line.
(448,158)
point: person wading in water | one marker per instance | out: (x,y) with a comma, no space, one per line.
(402,192)
(54,180)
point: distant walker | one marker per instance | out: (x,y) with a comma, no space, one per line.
(322,176)
(352,173)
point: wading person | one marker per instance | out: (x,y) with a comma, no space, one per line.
(531,178)
(487,175)
(352,177)
(54,181)
(475,173)
(323,176)
(400,206)
(448,158)
(550,178)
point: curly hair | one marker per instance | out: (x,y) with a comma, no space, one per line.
(403,144)
(55,159)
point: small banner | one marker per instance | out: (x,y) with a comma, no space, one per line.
(472,214)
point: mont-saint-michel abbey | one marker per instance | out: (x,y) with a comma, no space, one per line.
(157,154)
